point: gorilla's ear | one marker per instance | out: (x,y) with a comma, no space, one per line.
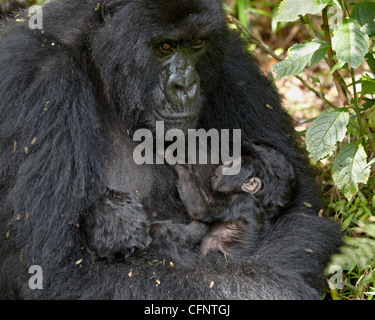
(252,185)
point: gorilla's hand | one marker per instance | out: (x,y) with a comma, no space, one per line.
(168,233)
(115,226)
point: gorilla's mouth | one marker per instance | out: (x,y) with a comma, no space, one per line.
(176,116)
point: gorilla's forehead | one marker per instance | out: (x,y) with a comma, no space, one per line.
(192,16)
(177,9)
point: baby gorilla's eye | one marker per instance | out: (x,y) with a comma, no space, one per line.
(166,47)
(197,43)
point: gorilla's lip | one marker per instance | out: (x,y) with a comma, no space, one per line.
(176,116)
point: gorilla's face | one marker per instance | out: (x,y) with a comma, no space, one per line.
(166,56)
(178,91)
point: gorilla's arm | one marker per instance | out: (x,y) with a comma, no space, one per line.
(251,104)
(116,224)
(49,125)
(52,134)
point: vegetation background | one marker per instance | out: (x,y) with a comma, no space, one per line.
(319,54)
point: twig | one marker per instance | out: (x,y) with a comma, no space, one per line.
(341,88)
(249,35)
(259,43)
(317,93)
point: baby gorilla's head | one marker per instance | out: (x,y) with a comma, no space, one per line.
(263,172)
(244,181)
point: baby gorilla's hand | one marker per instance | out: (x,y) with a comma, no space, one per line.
(116,226)
(192,195)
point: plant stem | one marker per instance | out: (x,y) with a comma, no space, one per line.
(317,93)
(354,103)
(341,88)
(259,43)
(346,8)
(311,29)
(364,130)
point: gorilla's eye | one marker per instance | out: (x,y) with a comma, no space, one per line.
(166,47)
(197,43)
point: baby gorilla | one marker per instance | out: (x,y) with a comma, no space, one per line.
(265,184)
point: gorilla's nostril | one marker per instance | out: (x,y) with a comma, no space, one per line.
(179,87)
(183,87)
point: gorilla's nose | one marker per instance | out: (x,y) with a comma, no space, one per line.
(183,87)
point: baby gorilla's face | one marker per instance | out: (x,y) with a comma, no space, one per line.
(244,181)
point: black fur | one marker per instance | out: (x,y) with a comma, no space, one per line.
(60,88)
(237,219)
(9,6)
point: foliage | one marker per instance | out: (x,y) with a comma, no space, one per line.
(351,43)
(341,34)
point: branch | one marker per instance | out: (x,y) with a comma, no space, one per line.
(341,88)
(259,43)
(250,36)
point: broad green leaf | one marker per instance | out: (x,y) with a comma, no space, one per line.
(350,168)
(364,13)
(290,10)
(299,55)
(325,131)
(350,42)
(320,52)
(368,85)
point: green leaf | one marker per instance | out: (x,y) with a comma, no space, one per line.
(290,10)
(368,104)
(346,222)
(320,52)
(368,85)
(371,162)
(364,13)
(242,12)
(370,61)
(350,42)
(338,65)
(350,168)
(325,131)
(371,118)
(299,55)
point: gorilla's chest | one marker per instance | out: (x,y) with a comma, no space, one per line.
(122,173)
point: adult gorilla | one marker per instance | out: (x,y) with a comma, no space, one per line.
(73,94)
